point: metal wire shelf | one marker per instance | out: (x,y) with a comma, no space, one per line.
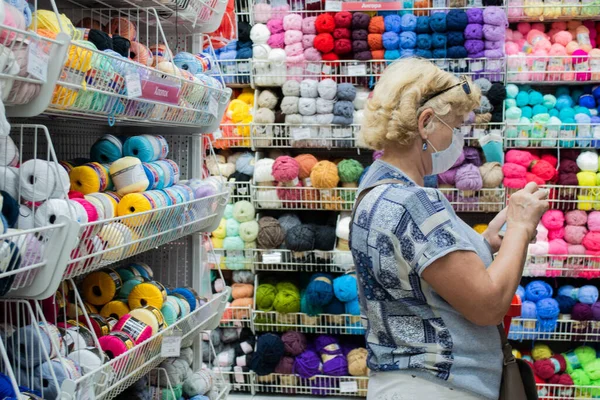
(562,266)
(232,135)
(566,330)
(364,73)
(568,198)
(484,200)
(240,381)
(309,261)
(236,317)
(552,70)
(320,385)
(331,324)
(552,136)
(303,198)
(239,191)
(232,259)
(552,10)
(304,136)
(236,73)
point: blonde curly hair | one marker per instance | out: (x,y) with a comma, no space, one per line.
(392,114)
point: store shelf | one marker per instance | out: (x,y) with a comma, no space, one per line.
(282,260)
(566,330)
(303,198)
(550,11)
(320,385)
(567,198)
(240,381)
(304,136)
(236,73)
(484,200)
(239,191)
(236,317)
(232,259)
(364,73)
(127,368)
(562,266)
(552,70)
(552,136)
(232,135)
(111,240)
(342,324)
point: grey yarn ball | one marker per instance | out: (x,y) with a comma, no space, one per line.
(291,88)
(242,276)
(339,120)
(293,119)
(229,335)
(344,109)
(289,105)
(346,91)
(308,89)
(307,106)
(267,99)
(327,89)
(324,119)
(484,84)
(288,221)
(484,106)
(270,233)
(300,238)
(325,238)
(324,106)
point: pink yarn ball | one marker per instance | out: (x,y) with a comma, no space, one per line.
(262,13)
(292,22)
(580,63)
(524,27)
(573,24)
(277,40)
(280,11)
(539,26)
(559,25)
(562,37)
(576,249)
(556,233)
(13,18)
(541,233)
(534,36)
(593,221)
(308,40)
(511,48)
(308,26)
(543,44)
(291,60)
(576,217)
(508,35)
(538,248)
(574,234)
(312,54)
(557,50)
(285,169)
(553,219)
(275,25)
(591,241)
(295,49)
(558,247)
(289,196)
(515,171)
(293,37)
(517,36)
(520,157)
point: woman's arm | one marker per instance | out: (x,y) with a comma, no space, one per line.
(481,295)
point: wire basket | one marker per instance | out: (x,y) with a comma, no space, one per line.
(304,136)
(232,259)
(282,260)
(566,198)
(566,330)
(562,266)
(551,10)
(557,70)
(236,317)
(303,198)
(320,385)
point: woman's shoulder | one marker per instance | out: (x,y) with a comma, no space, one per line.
(408,197)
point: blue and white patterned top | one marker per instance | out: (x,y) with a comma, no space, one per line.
(398,231)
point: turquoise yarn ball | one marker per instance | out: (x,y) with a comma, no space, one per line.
(510,103)
(566,113)
(522,99)
(564,101)
(582,110)
(228,211)
(562,91)
(549,101)
(535,98)
(553,113)
(512,90)
(232,227)
(169,311)
(539,109)
(526,112)
(128,287)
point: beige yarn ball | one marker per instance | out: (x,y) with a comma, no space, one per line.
(491,174)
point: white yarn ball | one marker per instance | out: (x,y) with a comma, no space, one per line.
(9,180)
(233,157)
(324,106)
(264,116)
(308,88)
(49,211)
(227,169)
(199,383)
(259,34)
(342,230)
(267,198)
(212,166)
(26,218)
(289,105)
(187,354)
(588,161)
(291,88)
(362,95)
(37,180)
(9,154)
(324,119)
(327,89)
(277,56)
(307,106)
(220,158)
(261,52)
(263,170)
(267,99)
(359,117)
(293,119)
(63,182)
(226,358)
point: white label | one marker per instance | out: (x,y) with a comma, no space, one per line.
(494,65)
(554,263)
(217,134)
(326,69)
(538,259)
(171,345)
(595,64)
(235,253)
(439,3)
(567,133)
(248,253)
(133,84)
(555,62)
(357,70)
(214,259)
(333,6)
(442,64)
(313,68)
(321,254)
(242,190)
(272,258)
(349,386)
(524,134)
(213,106)
(476,66)
(341,132)
(551,133)
(539,65)
(230,69)
(244,67)
(580,67)
(596,131)
(300,133)
(462,63)
(307,182)
(39,56)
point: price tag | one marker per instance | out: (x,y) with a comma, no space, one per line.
(171,345)
(554,263)
(555,62)
(494,65)
(478,133)
(133,84)
(348,387)
(476,66)
(314,68)
(581,67)
(272,258)
(357,70)
(442,64)
(595,64)
(539,65)
(538,259)
(230,69)
(462,64)
(214,259)
(242,190)
(213,106)
(244,67)
(326,69)
(567,133)
(39,56)
(217,134)
(300,133)
(248,253)
(235,253)
(333,5)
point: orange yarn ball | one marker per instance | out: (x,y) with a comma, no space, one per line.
(324,175)
(308,197)
(307,162)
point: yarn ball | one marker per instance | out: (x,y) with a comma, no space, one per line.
(294,343)
(582,312)
(270,233)
(345,288)
(537,290)
(324,175)
(269,351)
(319,291)
(324,42)
(457,20)
(300,238)
(325,23)
(265,296)
(285,169)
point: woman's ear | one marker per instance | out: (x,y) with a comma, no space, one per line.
(425,118)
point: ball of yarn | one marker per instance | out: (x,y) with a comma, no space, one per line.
(537,290)
(294,343)
(300,238)
(265,296)
(319,291)
(270,234)
(307,364)
(324,175)
(269,350)
(345,288)
(582,312)
(287,301)
(357,362)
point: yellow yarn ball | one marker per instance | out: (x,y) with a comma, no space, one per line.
(480,228)
(541,352)
(324,175)
(221,231)
(247,96)
(217,243)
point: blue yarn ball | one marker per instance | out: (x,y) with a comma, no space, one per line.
(269,351)
(107,149)
(345,91)
(391,40)
(588,294)
(391,55)
(455,39)
(563,90)
(408,40)
(439,53)
(553,112)
(582,110)
(588,101)
(456,20)
(535,98)
(437,22)
(319,291)
(424,53)
(422,24)
(392,23)
(539,109)
(424,41)
(526,112)
(438,41)
(576,94)
(187,295)
(547,308)
(528,310)
(307,308)
(522,99)
(457,52)
(563,101)
(565,304)
(521,292)
(537,290)
(566,113)
(353,307)
(335,307)
(566,290)
(596,92)
(345,288)
(245,163)
(408,23)
(404,53)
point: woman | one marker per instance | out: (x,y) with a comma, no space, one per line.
(429,289)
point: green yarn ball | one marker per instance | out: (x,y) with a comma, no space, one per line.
(287,286)
(585,355)
(243,211)
(287,301)
(580,378)
(265,296)
(349,170)
(228,211)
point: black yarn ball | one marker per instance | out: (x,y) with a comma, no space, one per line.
(100,39)
(300,238)
(325,238)
(243,31)
(497,116)
(121,45)
(497,94)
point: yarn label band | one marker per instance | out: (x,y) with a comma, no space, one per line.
(312,67)
(171,345)
(300,133)
(133,84)
(335,6)
(348,387)
(39,57)
(244,67)
(364,6)
(272,258)
(477,66)
(357,70)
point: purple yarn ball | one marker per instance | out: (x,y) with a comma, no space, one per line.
(204,191)
(448,177)
(475,16)
(327,344)
(468,177)
(337,366)
(474,31)
(307,364)
(472,156)
(474,46)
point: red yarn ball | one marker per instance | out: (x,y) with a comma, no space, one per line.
(591,241)
(330,57)
(552,160)
(342,46)
(568,166)
(544,170)
(520,157)
(341,33)
(545,369)
(285,169)
(323,42)
(511,170)
(514,183)
(325,23)
(343,19)
(288,195)
(529,177)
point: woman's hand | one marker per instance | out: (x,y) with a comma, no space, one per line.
(525,209)
(491,233)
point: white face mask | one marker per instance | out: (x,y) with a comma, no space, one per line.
(442,161)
